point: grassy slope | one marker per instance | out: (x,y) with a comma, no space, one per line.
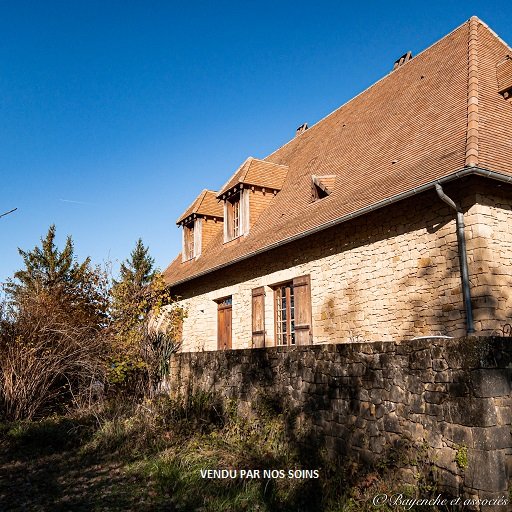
(149,457)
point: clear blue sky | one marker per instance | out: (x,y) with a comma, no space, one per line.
(115,115)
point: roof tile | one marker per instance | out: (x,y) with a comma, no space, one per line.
(256,172)
(205,204)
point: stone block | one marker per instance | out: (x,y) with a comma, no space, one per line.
(458,389)
(492,438)
(397,394)
(434,397)
(479,412)
(491,383)
(444,458)
(445,376)
(504,415)
(486,471)
(457,434)
(439,364)
(448,482)
(392,423)
(377,444)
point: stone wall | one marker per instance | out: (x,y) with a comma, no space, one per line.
(448,400)
(392,274)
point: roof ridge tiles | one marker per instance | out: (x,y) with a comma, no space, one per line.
(497,36)
(473,114)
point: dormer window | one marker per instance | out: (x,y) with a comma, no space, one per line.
(236,213)
(234,216)
(248,193)
(321,186)
(200,223)
(504,76)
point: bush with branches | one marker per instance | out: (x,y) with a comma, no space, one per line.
(52,343)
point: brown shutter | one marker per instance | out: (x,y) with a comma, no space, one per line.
(228,221)
(303,323)
(258,317)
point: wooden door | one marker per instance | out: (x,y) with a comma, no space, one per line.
(224,324)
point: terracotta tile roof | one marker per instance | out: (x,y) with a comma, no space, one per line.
(257,172)
(206,204)
(432,117)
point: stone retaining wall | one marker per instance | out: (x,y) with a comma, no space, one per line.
(362,401)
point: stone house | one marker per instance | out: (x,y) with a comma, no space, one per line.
(390,218)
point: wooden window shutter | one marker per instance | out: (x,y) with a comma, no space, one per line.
(303,322)
(183,244)
(244,211)
(198,237)
(258,317)
(228,221)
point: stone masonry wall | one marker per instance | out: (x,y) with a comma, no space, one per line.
(392,274)
(364,401)
(490,259)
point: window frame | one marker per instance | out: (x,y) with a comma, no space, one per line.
(234,219)
(236,215)
(284,337)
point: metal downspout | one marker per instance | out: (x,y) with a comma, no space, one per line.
(463,258)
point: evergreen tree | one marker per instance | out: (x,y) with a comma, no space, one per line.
(138,270)
(72,291)
(52,341)
(48,269)
(131,301)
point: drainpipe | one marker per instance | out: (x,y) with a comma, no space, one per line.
(463,258)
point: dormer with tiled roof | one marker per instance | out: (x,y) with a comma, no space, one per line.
(248,193)
(201,222)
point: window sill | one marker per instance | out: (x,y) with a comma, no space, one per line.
(234,240)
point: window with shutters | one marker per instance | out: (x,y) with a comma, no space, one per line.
(292,312)
(285,314)
(192,239)
(236,215)
(233,216)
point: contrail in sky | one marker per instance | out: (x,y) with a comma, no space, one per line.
(76,202)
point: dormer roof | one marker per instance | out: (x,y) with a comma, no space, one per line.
(205,205)
(259,173)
